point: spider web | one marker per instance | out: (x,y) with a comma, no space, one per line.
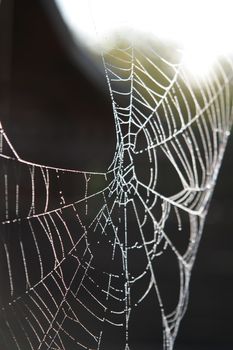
(71,240)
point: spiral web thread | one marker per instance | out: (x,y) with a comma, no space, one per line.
(69,239)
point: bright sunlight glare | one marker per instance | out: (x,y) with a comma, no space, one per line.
(202,27)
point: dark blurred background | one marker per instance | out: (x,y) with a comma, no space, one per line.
(56,115)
